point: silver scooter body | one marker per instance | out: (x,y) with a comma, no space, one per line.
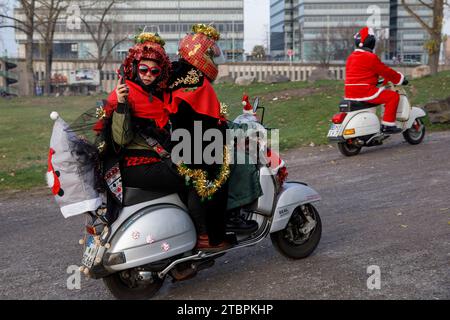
(162,229)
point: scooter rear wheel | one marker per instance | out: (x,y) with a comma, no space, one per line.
(348,150)
(124,286)
(414,136)
(291,241)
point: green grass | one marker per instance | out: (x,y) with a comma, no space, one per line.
(25,126)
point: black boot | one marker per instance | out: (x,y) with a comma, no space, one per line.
(236,223)
(390,129)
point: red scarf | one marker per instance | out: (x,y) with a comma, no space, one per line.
(140,105)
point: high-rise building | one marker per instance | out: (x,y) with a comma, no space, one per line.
(315,28)
(407,35)
(172,19)
(283,24)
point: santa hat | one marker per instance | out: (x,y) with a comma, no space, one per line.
(363,34)
(248,108)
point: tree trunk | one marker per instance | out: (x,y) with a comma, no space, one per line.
(29,70)
(30,86)
(48,68)
(433,57)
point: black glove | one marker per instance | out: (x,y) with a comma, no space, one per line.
(405,82)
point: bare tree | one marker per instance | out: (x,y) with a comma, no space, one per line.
(27,26)
(323,50)
(433,45)
(100,28)
(344,41)
(47,14)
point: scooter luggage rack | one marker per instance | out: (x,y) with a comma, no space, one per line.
(202,255)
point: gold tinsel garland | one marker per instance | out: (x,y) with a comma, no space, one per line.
(208,31)
(192,77)
(149,36)
(204,187)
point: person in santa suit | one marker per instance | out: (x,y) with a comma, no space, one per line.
(363,70)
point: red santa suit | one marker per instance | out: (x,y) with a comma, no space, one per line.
(363,70)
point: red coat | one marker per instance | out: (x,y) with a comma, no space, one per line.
(363,70)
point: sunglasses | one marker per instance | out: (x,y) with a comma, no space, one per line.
(145,69)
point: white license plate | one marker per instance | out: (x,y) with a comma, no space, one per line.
(334,131)
(90,252)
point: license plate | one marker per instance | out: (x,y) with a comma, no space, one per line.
(335,129)
(90,252)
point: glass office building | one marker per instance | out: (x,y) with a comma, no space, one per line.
(302,25)
(172,18)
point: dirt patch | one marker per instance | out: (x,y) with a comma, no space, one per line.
(291,93)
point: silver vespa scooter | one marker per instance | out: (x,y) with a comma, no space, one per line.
(154,235)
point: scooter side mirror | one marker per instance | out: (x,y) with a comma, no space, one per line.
(255,104)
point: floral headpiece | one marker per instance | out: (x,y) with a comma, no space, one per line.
(149,37)
(207,30)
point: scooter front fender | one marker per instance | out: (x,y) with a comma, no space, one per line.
(292,195)
(152,234)
(416,113)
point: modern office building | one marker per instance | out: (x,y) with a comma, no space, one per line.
(407,35)
(283,24)
(306,25)
(74,47)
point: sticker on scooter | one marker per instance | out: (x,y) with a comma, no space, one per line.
(165,247)
(149,239)
(135,235)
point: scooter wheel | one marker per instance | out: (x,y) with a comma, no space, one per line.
(292,242)
(348,150)
(414,136)
(124,287)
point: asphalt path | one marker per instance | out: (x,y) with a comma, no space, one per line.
(387,209)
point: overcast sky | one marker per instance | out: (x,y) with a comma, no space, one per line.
(256,26)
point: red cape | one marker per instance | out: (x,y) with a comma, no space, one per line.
(202,99)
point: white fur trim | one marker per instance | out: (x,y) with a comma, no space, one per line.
(54,115)
(401,79)
(367,98)
(361,50)
(50,179)
(389,124)
(75,209)
(248,111)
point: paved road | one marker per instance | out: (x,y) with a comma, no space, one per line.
(388,207)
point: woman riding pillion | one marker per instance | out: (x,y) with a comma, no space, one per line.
(196,108)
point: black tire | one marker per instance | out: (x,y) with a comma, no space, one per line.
(348,150)
(412,136)
(123,290)
(295,248)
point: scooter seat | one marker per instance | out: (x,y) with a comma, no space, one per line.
(352,105)
(133,196)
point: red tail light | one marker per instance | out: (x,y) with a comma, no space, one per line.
(338,118)
(91,230)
